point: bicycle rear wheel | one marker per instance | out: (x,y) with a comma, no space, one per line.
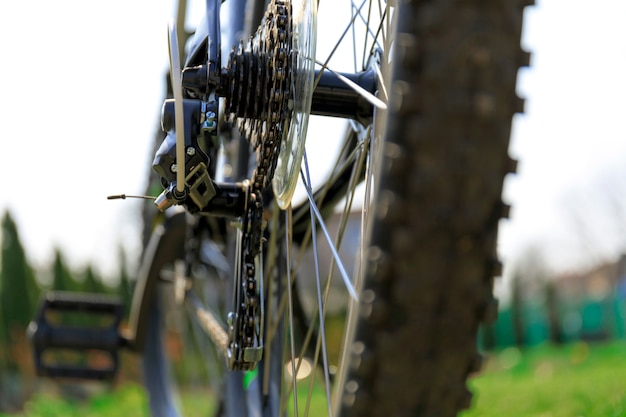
(431,162)
(435,164)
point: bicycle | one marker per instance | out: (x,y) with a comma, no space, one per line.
(429,100)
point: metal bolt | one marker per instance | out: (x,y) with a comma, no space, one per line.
(174,168)
(191,151)
(209,124)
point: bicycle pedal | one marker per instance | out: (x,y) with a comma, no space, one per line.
(75,335)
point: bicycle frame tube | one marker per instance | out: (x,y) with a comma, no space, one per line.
(208,31)
(214,49)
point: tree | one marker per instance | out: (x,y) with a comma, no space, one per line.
(552,306)
(517,310)
(18,287)
(532,283)
(125,290)
(92,283)
(62,278)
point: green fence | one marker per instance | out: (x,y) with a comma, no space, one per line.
(531,323)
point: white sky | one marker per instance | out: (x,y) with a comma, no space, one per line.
(572,135)
(81,86)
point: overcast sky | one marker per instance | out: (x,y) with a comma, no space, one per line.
(81,85)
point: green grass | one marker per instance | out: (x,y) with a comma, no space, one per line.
(127,400)
(577,380)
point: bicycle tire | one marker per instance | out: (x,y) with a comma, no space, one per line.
(432,255)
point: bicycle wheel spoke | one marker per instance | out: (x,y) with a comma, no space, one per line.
(380,32)
(358,155)
(341,229)
(294,374)
(317,215)
(353,36)
(209,323)
(314,214)
(332,53)
(380,10)
(321,308)
(381,83)
(207,352)
(368,31)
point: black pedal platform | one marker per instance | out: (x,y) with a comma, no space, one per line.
(76,335)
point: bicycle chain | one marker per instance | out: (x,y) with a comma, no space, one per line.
(258,97)
(263,68)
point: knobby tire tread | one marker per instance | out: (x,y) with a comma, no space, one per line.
(432,256)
